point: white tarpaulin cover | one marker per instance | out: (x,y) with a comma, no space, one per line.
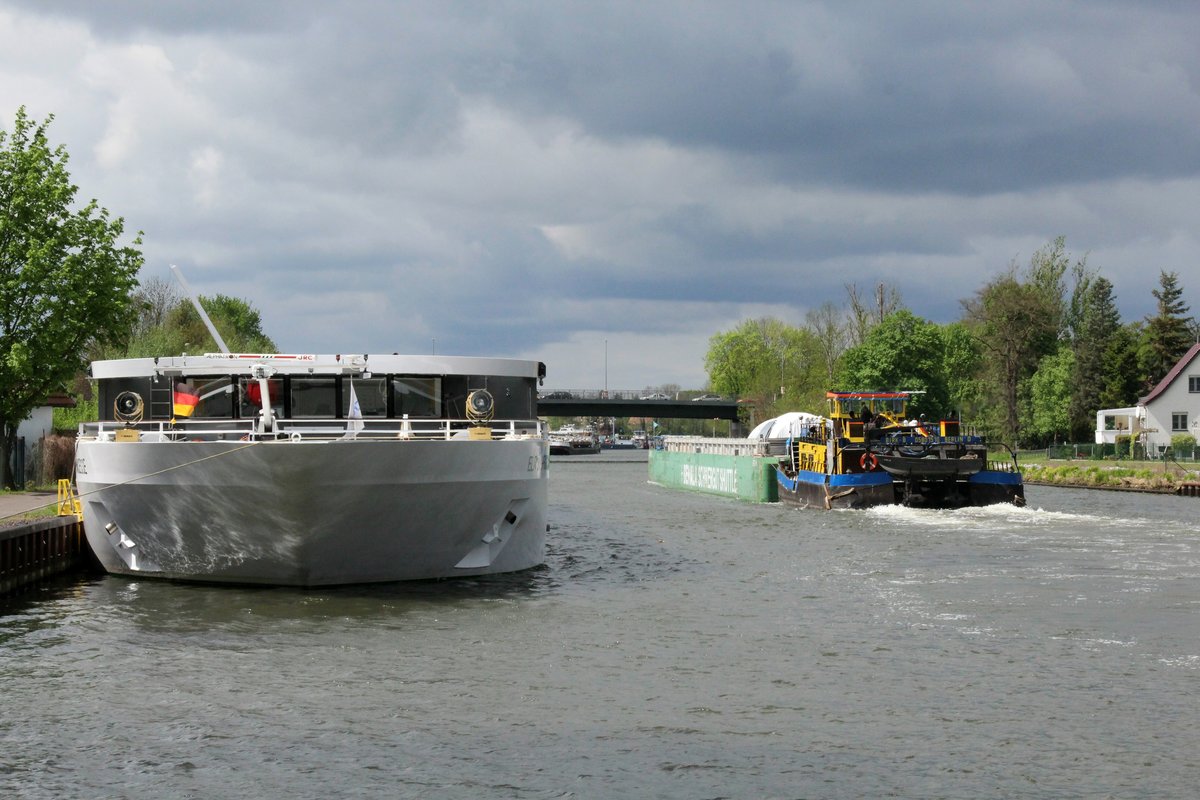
(793,423)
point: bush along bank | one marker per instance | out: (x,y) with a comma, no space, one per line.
(1148,479)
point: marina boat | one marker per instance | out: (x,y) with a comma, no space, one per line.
(314,470)
(868,452)
(572,441)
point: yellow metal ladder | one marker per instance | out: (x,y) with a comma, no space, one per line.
(68,500)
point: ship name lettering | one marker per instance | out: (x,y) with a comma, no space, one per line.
(712,479)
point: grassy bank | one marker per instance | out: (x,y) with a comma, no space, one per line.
(10,520)
(1155,478)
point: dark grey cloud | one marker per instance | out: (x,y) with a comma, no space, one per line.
(128,18)
(541,176)
(968,98)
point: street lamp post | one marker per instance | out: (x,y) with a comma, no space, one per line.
(606,367)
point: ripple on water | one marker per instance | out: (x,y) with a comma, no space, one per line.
(673,645)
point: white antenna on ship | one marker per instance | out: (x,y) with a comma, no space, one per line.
(203,315)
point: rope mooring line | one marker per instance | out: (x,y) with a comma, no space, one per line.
(136,479)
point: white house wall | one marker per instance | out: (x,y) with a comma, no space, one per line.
(1175,399)
(39,424)
(1128,419)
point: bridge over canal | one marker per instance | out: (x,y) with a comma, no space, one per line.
(622,404)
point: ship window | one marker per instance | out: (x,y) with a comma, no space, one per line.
(250,397)
(314,397)
(371,394)
(417,397)
(1179,421)
(204,397)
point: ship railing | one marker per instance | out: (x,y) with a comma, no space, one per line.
(297,430)
(724,447)
(1003,459)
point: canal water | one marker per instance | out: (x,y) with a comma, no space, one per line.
(673,646)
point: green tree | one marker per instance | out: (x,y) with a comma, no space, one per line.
(768,362)
(1018,322)
(1046,276)
(1122,377)
(1015,324)
(962,360)
(738,361)
(1050,396)
(1098,323)
(904,352)
(1167,335)
(238,322)
(167,324)
(65,281)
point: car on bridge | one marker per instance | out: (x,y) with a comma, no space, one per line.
(656,396)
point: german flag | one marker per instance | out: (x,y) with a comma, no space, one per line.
(185,402)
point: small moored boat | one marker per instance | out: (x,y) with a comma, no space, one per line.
(572,441)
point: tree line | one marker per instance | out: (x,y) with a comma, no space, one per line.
(1035,354)
(69,291)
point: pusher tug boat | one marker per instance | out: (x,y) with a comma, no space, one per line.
(314,470)
(867,452)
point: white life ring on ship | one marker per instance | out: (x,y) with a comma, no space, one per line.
(868,458)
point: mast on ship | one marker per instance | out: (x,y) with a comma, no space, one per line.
(260,372)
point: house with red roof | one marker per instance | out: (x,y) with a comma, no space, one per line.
(1171,407)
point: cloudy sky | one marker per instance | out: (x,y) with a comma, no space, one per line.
(592,184)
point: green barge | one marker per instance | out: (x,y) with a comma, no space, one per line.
(739,468)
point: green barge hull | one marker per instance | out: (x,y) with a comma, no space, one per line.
(741,469)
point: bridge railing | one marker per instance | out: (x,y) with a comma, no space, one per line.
(622,394)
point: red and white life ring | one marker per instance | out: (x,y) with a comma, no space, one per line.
(868,458)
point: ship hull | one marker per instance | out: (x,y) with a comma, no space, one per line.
(565,449)
(818,490)
(863,490)
(314,513)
